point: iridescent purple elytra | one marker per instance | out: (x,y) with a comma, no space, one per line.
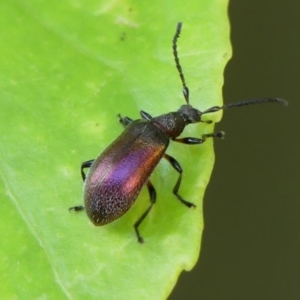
(117,176)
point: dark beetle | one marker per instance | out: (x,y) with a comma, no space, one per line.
(117,176)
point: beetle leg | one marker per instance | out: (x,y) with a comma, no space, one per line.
(152,194)
(206,122)
(178,168)
(196,141)
(124,120)
(86,164)
(145,115)
(76,208)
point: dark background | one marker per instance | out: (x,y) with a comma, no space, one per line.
(251,242)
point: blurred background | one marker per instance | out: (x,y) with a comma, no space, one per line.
(251,243)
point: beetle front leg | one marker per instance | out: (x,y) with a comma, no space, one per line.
(196,141)
(152,194)
(174,163)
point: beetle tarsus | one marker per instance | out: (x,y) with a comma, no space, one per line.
(140,239)
(76,208)
(219,134)
(152,194)
(124,120)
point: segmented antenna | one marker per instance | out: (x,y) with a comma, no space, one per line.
(257,101)
(247,102)
(185,89)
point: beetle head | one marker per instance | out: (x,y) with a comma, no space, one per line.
(190,114)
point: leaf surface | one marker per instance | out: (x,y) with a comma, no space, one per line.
(67,69)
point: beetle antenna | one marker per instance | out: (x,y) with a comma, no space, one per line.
(247,102)
(185,89)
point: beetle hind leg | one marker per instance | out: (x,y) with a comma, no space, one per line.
(76,208)
(136,225)
(174,163)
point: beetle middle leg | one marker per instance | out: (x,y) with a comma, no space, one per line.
(196,141)
(152,194)
(175,164)
(177,167)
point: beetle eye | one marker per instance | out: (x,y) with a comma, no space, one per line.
(194,116)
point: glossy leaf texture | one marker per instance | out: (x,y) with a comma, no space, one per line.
(67,69)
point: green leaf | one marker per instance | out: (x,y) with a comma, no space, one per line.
(67,69)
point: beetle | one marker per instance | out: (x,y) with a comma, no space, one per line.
(117,176)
